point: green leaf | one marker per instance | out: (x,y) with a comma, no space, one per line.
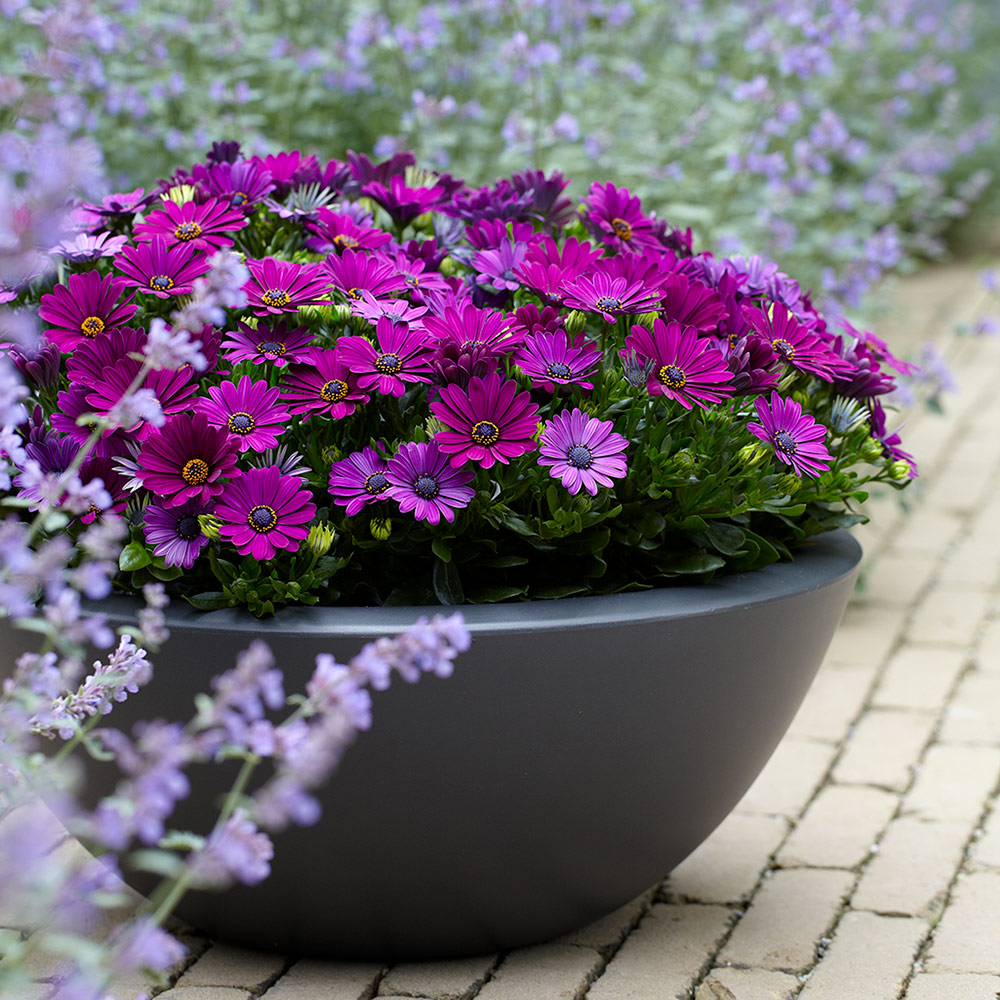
(210,601)
(447,585)
(181,840)
(693,562)
(166,573)
(157,862)
(503,562)
(563,590)
(726,538)
(134,556)
(494,594)
(441,549)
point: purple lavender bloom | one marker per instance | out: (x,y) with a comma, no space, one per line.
(143,945)
(235,852)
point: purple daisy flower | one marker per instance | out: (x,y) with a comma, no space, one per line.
(685,368)
(469,326)
(397,310)
(187,459)
(546,204)
(422,480)
(691,303)
(83,308)
(278,286)
(264,511)
(551,359)
(274,344)
(322,384)
(248,410)
(360,479)
(611,297)
(404,203)
(355,271)
(753,364)
(90,359)
(100,467)
(794,343)
(417,275)
(616,219)
(496,268)
(402,356)
(175,532)
(336,231)
(198,225)
(796,437)
(84,248)
(582,451)
(546,268)
(240,184)
(114,208)
(38,363)
(72,404)
(160,269)
(490,420)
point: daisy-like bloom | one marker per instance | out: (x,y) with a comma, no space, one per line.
(240,184)
(276,345)
(250,411)
(354,272)
(582,451)
(73,404)
(404,203)
(551,359)
(100,467)
(160,269)
(417,276)
(83,308)
(198,225)
(547,268)
(397,310)
(691,303)
(469,326)
(890,442)
(289,170)
(360,479)
(754,366)
(546,204)
(490,420)
(113,209)
(278,286)
(796,437)
(175,532)
(87,363)
(495,268)
(84,248)
(422,480)
(794,343)
(611,297)
(402,356)
(264,511)
(187,459)
(334,231)
(616,219)
(685,368)
(38,362)
(491,234)
(322,384)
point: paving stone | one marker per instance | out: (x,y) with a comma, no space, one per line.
(953,782)
(544,972)
(663,957)
(447,980)
(866,635)
(833,702)
(787,918)
(949,615)
(916,862)
(952,986)
(224,965)
(972,716)
(789,779)
(727,866)
(967,938)
(869,958)
(897,577)
(986,850)
(839,828)
(204,993)
(919,677)
(927,530)
(609,931)
(972,563)
(883,748)
(987,655)
(748,984)
(312,980)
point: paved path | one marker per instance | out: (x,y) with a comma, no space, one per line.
(864,864)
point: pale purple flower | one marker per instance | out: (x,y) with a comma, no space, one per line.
(171,349)
(236,851)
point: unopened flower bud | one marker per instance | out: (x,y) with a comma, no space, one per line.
(343,312)
(575,322)
(331,454)
(789,484)
(433,426)
(320,538)
(210,526)
(447,266)
(801,397)
(381,528)
(684,461)
(646,319)
(871,450)
(751,455)
(900,470)
(180,193)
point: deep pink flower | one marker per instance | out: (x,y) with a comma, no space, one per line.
(241,184)
(161,270)
(278,286)
(336,231)
(322,383)
(198,225)
(794,343)
(611,297)
(421,480)
(250,411)
(615,217)
(546,269)
(691,303)
(355,271)
(551,359)
(404,203)
(469,326)
(402,356)
(276,345)
(87,363)
(359,480)
(84,308)
(796,437)
(583,451)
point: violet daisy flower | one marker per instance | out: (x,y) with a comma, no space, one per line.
(355,271)
(611,297)
(274,344)
(187,459)
(241,184)
(198,225)
(490,420)
(398,310)
(796,437)
(114,208)
(402,356)
(551,359)
(359,479)
(264,511)
(546,204)
(248,410)
(422,480)
(84,248)
(90,359)
(322,384)
(160,269)
(175,532)
(417,276)
(404,203)
(616,219)
(38,363)
(336,231)
(496,267)
(278,286)
(72,404)
(691,303)
(546,268)
(468,326)
(794,343)
(685,368)
(83,308)
(582,451)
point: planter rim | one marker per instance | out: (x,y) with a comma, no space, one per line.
(833,555)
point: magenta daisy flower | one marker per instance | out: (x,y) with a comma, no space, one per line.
(611,297)
(468,326)
(496,268)
(276,344)
(322,384)
(83,308)
(187,459)
(691,303)
(551,359)
(173,390)
(264,511)
(359,479)
(404,203)
(546,268)
(355,271)
(174,532)
(278,286)
(84,248)
(615,217)
(248,410)
(337,231)
(582,451)
(89,360)
(160,269)
(685,368)
(241,184)
(796,437)
(417,275)
(398,310)
(199,225)
(491,421)
(794,343)
(402,356)
(422,480)
(73,404)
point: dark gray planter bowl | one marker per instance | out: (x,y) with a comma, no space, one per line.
(581,750)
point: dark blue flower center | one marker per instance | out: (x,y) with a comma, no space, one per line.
(345,241)
(606,303)
(672,376)
(622,229)
(412,280)
(558,370)
(275,298)
(508,275)
(188,528)
(334,390)
(262,518)
(195,471)
(485,432)
(161,282)
(92,326)
(241,423)
(239,198)
(187,231)
(271,347)
(580,456)
(426,487)
(785,443)
(376,483)
(784,348)
(388,364)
